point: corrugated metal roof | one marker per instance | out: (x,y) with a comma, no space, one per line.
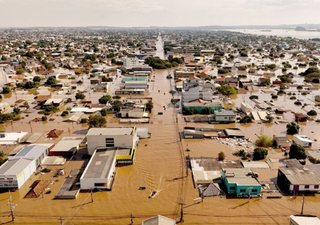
(33,151)
(298,174)
(15,166)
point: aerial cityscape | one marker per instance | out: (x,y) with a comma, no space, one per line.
(139,120)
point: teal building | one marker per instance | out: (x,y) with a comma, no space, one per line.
(240,182)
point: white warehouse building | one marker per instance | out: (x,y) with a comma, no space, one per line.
(99,172)
(17,170)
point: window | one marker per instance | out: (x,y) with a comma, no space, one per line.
(254,190)
(242,190)
(306,186)
(232,188)
(109,142)
(316,186)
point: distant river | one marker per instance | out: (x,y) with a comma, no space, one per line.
(281,33)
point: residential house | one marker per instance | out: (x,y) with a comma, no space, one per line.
(225,116)
(296,178)
(302,140)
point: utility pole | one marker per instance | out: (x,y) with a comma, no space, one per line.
(91,195)
(250,188)
(61,220)
(181,210)
(302,207)
(131,219)
(12,206)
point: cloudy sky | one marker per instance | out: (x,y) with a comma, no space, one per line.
(25,13)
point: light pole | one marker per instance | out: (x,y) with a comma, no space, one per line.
(249,188)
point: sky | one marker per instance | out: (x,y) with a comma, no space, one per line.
(127,13)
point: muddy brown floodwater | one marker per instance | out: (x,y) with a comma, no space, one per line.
(159,166)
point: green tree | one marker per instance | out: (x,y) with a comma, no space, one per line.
(105,99)
(260,153)
(312,113)
(149,106)
(293,128)
(29,85)
(221,156)
(80,95)
(36,79)
(246,119)
(16,111)
(97,121)
(6,90)
(227,90)
(51,80)
(116,105)
(264,141)
(297,152)
(103,112)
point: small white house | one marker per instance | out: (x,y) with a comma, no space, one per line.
(302,140)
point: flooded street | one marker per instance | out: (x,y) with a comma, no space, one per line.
(159,166)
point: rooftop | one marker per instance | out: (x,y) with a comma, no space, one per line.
(240,176)
(111,131)
(298,174)
(67,144)
(100,164)
(14,166)
(33,151)
(224,113)
(305,220)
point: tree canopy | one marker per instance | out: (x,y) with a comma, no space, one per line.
(97,121)
(105,99)
(260,153)
(297,152)
(292,128)
(227,90)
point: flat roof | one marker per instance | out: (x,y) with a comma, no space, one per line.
(67,144)
(111,131)
(239,176)
(306,220)
(234,132)
(12,137)
(224,113)
(100,164)
(251,164)
(282,139)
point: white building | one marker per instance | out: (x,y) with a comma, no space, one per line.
(130,61)
(8,138)
(304,220)
(159,220)
(118,137)
(302,140)
(99,172)
(17,170)
(246,108)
